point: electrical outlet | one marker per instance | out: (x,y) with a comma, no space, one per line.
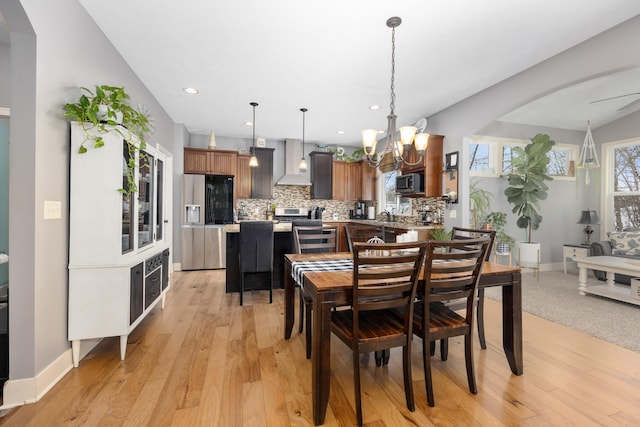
(452,213)
(257,211)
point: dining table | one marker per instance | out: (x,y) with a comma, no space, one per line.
(327,280)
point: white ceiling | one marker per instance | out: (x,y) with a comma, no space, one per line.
(333,57)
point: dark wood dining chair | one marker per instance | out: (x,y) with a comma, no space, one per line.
(460,233)
(385,277)
(452,271)
(314,239)
(256,252)
(362,233)
(302,222)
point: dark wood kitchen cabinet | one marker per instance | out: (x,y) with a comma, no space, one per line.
(353,181)
(321,175)
(431,167)
(242,180)
(368,181)
(262,176)
(210,162)
(340,181)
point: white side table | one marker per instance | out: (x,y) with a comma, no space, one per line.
(574,251)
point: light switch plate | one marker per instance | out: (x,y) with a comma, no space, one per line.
(52,209)
(453,213)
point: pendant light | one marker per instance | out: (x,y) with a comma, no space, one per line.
(395,152)
(303,162)
(253,162)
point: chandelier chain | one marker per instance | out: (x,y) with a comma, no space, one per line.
(393,70)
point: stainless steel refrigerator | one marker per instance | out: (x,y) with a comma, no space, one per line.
(207,205)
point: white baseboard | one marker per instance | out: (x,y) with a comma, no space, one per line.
(30,390)
(177,266)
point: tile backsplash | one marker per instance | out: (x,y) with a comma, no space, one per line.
(290,196)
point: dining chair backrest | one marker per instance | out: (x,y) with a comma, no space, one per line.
(302,222)
(385,275)
(452,270)
(317,239)
(460,233)
(362,233)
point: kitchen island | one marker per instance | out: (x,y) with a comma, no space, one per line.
(282,244)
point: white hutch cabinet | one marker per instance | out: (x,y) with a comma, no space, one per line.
(118,244)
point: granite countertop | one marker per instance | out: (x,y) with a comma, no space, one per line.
(277,227)
(391,224)
(286,226)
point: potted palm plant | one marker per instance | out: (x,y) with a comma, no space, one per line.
(479,202)
(526,189)
(107,109)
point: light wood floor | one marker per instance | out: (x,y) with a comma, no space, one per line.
(206,361)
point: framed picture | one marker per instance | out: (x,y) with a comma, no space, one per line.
(451,160)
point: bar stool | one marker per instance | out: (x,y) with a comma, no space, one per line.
(256,252)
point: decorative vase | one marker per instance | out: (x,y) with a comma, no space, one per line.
(502,248)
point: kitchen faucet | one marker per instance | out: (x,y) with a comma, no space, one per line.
(388,214)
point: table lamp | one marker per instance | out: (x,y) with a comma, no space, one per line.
(589,218)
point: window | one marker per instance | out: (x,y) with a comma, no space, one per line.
(491,156)
(622,197)
(479,160)
(389,201)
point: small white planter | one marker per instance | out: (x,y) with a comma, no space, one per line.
(529,255)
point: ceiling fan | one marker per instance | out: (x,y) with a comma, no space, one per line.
(624,107)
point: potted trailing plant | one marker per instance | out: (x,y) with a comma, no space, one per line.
(526,189)
(101,111)
(498,220)
(479,202)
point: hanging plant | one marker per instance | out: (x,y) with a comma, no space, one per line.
(105,110)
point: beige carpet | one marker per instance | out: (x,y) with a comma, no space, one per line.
(555,297)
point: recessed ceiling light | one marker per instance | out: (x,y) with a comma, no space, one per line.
(190,90)
(374,107)
(248,123)
(381,131)
(341,132)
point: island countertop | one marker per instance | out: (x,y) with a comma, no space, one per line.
(286,226)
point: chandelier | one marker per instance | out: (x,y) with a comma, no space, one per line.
(396,152)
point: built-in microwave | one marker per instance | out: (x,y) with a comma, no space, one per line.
(409,183)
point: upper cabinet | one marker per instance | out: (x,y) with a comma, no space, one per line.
(368,181)
(210,162)
(321,175)
(339,178)
(353,181)
(242,180)
(430,167)
(262,176)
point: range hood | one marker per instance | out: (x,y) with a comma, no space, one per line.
(292,156)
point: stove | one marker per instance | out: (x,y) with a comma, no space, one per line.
(289,214)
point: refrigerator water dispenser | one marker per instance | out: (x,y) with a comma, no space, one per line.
(192,214)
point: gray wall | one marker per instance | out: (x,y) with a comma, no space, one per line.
(5,74)
(611,51)
(55,48)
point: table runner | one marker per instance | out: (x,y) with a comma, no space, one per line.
(300,267)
